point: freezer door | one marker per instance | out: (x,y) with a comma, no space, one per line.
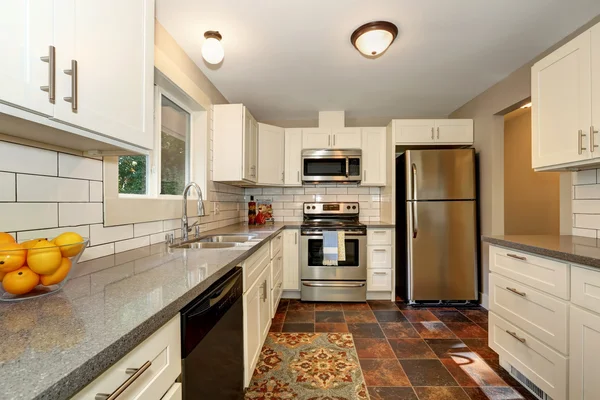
(440,174)
(442,250)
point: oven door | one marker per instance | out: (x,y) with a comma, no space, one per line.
(331,169)
(353,268)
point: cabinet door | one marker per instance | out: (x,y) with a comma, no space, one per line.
(454,131)
(293,157)
(379,280)
(346,138)
(115,67)
(265,303)
(585,355)
(26,28)
(291,259)
(595,43)
(316,138)
(373,157)
(561,105)
(271,154)
(414,131)
(250,139)
(252,329)
(379,256)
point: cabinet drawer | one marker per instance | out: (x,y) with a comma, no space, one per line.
(277,266)
(538,362)
(541,315)
(378,237)
(276,244)
(254,265)
(585,288)
(379,280)
(162,350)
(277,291)
(547,275)
(379,256)
(584,362)
(174,393)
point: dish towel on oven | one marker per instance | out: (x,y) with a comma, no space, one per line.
(330,248)
(341,238)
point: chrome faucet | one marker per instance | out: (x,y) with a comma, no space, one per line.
(185,228)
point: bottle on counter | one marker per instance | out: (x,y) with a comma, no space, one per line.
(251,211)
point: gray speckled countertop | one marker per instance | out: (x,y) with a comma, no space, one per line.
(52,347)
(573,249)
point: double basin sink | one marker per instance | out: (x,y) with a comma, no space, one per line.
(214,242)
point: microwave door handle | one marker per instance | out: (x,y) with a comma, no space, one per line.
(347,167)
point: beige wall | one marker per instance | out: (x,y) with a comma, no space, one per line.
(531,199)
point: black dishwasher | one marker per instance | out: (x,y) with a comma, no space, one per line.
(212,344)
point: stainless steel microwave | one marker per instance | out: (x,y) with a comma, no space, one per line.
(330,165)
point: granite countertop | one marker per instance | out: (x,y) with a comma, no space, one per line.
(573,249)
(52,347)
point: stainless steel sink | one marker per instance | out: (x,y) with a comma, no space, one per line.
(227,238)
(204,245)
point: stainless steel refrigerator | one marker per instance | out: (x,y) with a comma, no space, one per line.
(436,226)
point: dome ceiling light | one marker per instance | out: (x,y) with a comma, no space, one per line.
(373,38)
(212,49)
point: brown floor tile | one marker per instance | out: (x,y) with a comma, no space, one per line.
(480,346)
(444,348)
(427,373)
(475,368)
(450,316)
(494,364)
(441,393)
(279,317)
(389,316)
(419,315)
(359,317)
(382,305)
(331,327)
(328,307)
(373,348)
(356,307)
(465,330)
(329,316)
(383,372)
(365,330)
(458,374)
(276,326)
(483,326)
(433,330)
(298,327)
(283,305)
(479,316)
(297,305)
(392,393)
(399,330)
(411,349)
(299,316)
(493,393)
(435,308)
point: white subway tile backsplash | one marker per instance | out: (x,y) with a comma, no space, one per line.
(98,251)
(587,192)
(347,197)
(27,160)
(147,228)
(370,213)
(313,190)
(589,221)
(325,197)
(364,197)
(172,224)
(131,244)
(7,185)
(100,234)
(70,166)
(71,214)
(586,207)
(591,233)
(28,216)
(96,191)
(304,197)
(33,188)
(358,190)
(276,190)
(375,190)
(293,190)
(159,237)
(83,230)
(283,213)
(337,190)
(291,206)
(283,198)
(584,177)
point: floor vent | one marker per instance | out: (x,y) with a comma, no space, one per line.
(533,388)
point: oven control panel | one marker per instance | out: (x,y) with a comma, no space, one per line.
(350,208)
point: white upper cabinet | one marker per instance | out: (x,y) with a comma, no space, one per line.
(595,57)
(373,156)
(414,130)
(433,131)
(27,31)
(316,138)
(346,138)
(271,151)
(562,103)
(235,136)
(454,131)
(293,157)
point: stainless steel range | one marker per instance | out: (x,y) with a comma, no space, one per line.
(348,280)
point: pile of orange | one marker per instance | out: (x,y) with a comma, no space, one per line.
(24,266)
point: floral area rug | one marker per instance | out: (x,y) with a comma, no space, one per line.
(308,366)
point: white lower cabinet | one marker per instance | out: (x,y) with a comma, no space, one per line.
(379,256)
(159,357)
(174,393)
(291,259)
(585,355)
(379,280)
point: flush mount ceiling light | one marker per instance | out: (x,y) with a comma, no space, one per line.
(212,49)
(528,105)
(374,38)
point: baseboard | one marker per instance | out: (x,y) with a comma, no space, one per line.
(379,296)
(290,294)
(485,301)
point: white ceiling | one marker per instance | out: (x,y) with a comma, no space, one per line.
(286,60)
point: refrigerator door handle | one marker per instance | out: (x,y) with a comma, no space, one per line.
(414,182)
(415,220)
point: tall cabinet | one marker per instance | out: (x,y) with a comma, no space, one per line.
(271,145)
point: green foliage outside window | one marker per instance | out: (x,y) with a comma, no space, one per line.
(132,174)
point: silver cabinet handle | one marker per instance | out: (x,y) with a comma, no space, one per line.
(365,171)
(334,140)
(438,132)
(282,176)
(379,250)
(592,145)
(515,291)
(432,137)
(73,73)
(263,287)
(514,334)
(379,273)
(384,232)
(580,147)
(295,237)
(298,173)
(517,257)
(265,291)
(333,284)
(135,374)
(328,140)
(51,60)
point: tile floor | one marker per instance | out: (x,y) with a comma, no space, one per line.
(409,353)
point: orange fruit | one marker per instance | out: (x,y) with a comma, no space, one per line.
(6,238)
(67,241)
(30,243)
(44,258)
(2,275)
(59,275)
(21,281)
(12,256)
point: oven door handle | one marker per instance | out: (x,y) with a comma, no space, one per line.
(357,284)
(347,167)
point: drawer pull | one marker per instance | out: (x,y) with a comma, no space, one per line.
(514,334)
(517,257)
(515,291)
(380,250)
(136,373)
(379,273)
